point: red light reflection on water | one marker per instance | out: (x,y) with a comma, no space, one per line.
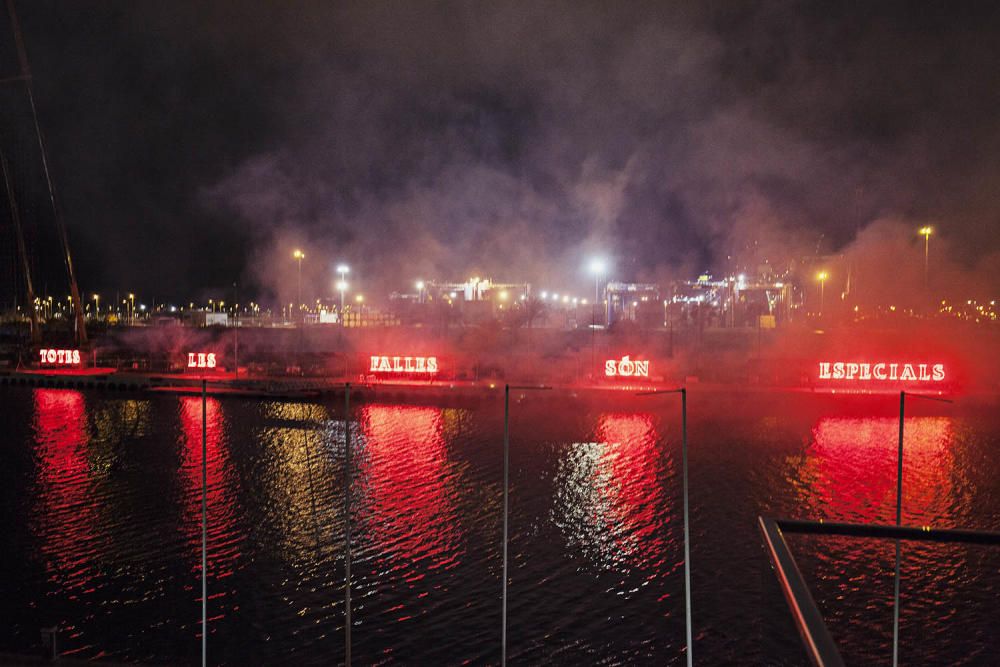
(409,512)
(850,470)
(633,493)
(223,540)
(66,515)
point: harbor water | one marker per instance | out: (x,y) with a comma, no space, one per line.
(102,515)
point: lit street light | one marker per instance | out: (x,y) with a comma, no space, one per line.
(97,305)
(926,233)
(298,255)
(343,270)
(598,267)
(821,277)
(420,291)
(342,287)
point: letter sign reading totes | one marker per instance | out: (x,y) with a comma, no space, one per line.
(404,365)
(626,368)
(881,371)
(48,357)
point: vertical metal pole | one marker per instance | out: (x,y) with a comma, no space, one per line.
(236,330)
(899,517)
(347,521)
(204,523)
(670,317)
(927,254)
(593,327)
(506,472)
(687,527)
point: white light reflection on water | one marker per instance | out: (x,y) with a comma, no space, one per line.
(609,495)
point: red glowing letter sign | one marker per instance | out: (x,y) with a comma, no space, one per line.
(626,368)
(201,360)
(401,365)
(49,357)
(893,372)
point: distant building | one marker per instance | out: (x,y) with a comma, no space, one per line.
(634,302)
(474,300)
(206,318)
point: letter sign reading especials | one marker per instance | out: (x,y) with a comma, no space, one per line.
(881,371)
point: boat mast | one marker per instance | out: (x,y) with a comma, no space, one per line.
(22,250)
(22,56)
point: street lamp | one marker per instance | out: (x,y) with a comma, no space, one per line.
(131,308)
(926,233)
(420,290)
(97,305)
(298,255)
(821,277)
(342,287)
(598,267)
(343,270)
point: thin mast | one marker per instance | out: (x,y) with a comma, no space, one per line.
(22,56)
(22,250)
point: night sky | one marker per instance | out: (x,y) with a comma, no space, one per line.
(195,144)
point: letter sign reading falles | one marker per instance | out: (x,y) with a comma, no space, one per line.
(49,357)
(404,365)
(880,371)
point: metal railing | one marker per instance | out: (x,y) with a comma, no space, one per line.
(816,637)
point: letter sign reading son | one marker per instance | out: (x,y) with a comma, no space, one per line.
(201,360)
(893,372)
(403,365)
(49,357)
(626,368)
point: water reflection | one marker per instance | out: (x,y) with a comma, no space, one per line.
(300,478)
(66,514)
(849,470)
(224,538)
(407,505)
(610,501)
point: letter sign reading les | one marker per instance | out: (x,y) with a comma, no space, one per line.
(882,371)
(201,359)
(50,357)
(404,365)
(626,368)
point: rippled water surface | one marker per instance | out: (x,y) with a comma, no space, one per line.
(102,510)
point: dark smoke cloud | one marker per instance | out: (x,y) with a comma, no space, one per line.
(445,139)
